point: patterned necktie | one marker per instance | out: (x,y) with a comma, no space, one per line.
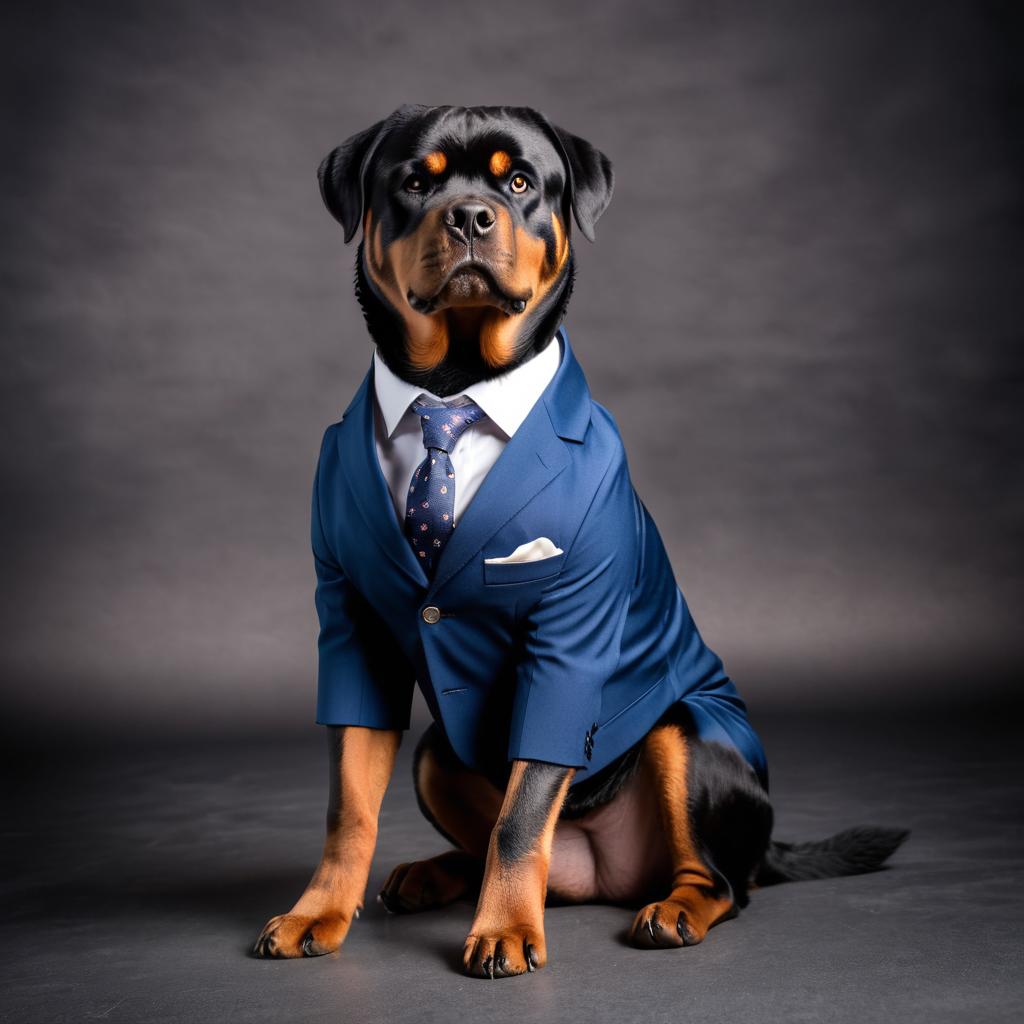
(430,515)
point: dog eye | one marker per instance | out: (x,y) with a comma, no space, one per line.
(519,184)
(414,183)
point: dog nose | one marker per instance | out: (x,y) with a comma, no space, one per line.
(469,219)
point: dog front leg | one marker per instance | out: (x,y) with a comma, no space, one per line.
(507,936)
(361,762)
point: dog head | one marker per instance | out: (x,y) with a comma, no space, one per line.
(465,266)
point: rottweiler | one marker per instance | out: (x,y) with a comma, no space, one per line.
(464,273)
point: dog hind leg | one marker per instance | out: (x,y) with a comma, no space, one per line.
(716,821)
(463,806)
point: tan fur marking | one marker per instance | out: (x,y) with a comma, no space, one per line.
(464,803)
(400,263)
(436,882)
(377,249)
(362,762)
(497,339)
(500,163)
(435,162)
(692,899)
(509,918)
(519,260)
(532,276)
(561,245)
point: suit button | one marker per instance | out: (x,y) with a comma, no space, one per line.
(431,614)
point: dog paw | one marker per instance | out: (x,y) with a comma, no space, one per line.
(515,951)
(662,926)
(671,924)
(294,935)
(425,884)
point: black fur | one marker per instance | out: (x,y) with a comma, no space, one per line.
(730,813)
(591,178)
(573,178)
(342,177)
(850,852)
(519,829)
(539,788)
(732,817)
(453,377)
(729,810)
(601,787)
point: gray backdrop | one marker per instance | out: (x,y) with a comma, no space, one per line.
(802,309)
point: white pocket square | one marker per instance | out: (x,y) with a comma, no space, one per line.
(531,551)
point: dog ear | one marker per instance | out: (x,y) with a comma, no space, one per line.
(343,172)
(342,177)
(591,178)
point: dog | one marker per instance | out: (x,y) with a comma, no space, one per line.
(586,745)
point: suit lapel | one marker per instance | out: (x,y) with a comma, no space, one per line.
(533,457)
(367,485)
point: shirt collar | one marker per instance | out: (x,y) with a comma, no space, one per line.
(507,399)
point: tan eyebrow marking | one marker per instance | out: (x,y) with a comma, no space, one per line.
(500,163)
(435,162)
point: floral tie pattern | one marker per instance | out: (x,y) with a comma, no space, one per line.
(430,513)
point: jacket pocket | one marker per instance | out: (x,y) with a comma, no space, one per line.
(500,574)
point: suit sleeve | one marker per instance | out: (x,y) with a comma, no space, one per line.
(572,645)
(362,676)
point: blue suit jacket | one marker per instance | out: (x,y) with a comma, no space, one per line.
(526,658)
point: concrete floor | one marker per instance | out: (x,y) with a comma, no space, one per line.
(137,881)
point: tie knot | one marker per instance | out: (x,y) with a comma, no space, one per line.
(443,424)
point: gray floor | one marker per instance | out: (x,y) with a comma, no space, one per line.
(137,881)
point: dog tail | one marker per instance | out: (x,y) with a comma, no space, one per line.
(850,852)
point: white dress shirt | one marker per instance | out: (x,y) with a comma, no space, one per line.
(506,399)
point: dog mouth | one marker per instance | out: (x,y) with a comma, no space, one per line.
(469,283)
